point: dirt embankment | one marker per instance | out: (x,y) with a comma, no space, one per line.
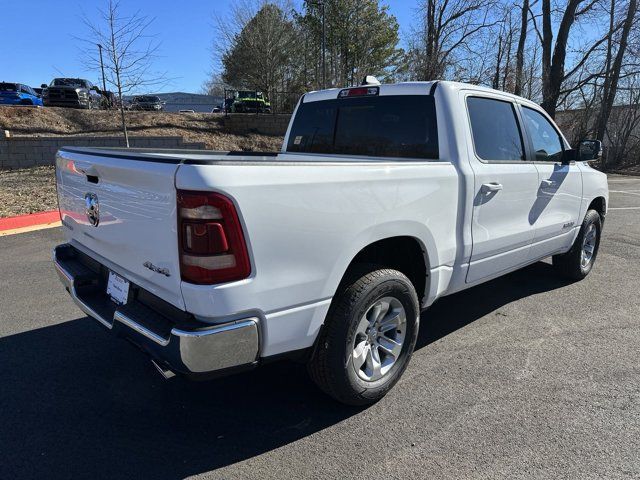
(32,190)
(192,127)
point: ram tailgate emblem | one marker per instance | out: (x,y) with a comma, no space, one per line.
(92,208)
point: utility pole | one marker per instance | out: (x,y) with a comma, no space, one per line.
(104,83)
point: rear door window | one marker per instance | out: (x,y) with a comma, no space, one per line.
(496,134)
(402,126)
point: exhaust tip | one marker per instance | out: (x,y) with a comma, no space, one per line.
(165,372)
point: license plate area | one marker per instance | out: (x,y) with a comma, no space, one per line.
(117,288)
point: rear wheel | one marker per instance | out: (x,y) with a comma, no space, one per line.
(368,337)
(578,262)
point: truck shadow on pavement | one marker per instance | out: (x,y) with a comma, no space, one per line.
(76,403)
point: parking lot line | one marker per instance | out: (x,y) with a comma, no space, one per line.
(32,228)
(624,191)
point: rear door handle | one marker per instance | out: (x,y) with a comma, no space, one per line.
(549,183)
(491,187)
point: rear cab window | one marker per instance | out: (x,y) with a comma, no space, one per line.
(400,126)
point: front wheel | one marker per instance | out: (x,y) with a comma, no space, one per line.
(578,262)
(368,337)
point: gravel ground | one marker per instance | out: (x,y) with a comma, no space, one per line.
(27,190)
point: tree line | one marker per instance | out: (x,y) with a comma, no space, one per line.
(577,56)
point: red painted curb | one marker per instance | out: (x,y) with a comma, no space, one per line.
(29,220)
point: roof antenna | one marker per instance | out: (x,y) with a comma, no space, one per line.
(370,80)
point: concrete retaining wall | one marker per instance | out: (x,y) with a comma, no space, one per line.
(266,124)
(21,152)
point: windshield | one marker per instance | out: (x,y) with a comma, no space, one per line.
(249,94)
(401,126)
(69,82)
(8,87)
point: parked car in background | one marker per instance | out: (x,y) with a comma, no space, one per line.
(38,91)
(250,101)
(383,199)
(109,100)
(18,94)
(147,102)
(217,109)
(71,92)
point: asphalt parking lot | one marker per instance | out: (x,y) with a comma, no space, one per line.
(527,376)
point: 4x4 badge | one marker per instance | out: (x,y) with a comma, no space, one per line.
(153,268)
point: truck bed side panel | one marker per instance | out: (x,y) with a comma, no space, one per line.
(306,221)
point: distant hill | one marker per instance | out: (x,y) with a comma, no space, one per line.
(176,101)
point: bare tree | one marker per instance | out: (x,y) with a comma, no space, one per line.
(623,127)
(129,50)
(612,78)
(447,33)
(522,40)
(503,76)
(555,48)
(215,86)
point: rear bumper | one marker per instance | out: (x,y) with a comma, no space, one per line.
(176,342)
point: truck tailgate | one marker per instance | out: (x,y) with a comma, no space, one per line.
(135,232)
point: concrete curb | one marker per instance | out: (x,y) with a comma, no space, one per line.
(29,222)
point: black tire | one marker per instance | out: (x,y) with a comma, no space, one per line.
(571,264)
(331,366)
(26,103)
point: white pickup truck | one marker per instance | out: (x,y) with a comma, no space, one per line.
(383,199)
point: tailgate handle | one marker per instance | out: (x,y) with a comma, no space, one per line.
(84,167)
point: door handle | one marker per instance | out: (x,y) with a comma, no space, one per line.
(491,187)
(549,183)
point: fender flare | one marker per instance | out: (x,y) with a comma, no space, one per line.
(400,228)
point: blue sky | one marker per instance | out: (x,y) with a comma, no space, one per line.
(41,45)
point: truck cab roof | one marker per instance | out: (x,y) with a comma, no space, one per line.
(411,88)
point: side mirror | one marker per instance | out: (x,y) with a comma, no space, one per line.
(569,155)
(589,150)
(43,85)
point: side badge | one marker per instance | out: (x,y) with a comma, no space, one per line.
(153,268)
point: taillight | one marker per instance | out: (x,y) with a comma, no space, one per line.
(212,246)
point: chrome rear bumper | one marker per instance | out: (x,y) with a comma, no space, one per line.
(195,349)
